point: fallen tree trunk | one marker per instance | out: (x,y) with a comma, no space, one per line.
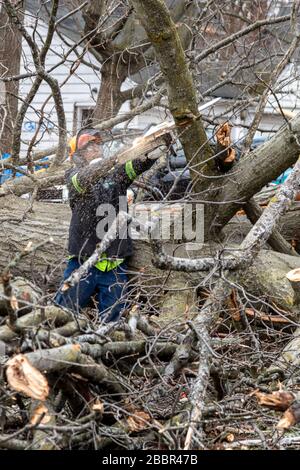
(19,227)
(266,282)
(266,278)
(45,266)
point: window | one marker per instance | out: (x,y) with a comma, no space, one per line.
(82,116)
(86,117)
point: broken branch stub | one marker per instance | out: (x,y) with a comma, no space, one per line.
(25,378)
(224,140)
(40,415)
(279,400)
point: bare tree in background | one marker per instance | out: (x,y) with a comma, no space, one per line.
(120,45)
(10,54)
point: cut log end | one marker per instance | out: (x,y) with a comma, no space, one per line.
(25,378)
(294,275)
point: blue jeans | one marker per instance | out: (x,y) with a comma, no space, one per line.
(108,287)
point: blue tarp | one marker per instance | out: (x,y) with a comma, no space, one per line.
(281,179)
(7,174)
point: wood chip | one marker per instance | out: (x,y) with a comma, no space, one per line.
(138,421)
(98,406)
(41,415)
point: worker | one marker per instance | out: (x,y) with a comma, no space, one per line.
(89,191)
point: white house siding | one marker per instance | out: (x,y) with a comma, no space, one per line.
(77,90)
(76,93)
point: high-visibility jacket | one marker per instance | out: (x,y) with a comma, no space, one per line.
(84,203)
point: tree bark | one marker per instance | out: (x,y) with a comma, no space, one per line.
(10,55)
(276,240)
(17,229)
(45,266)
(109,100)
(162,32)
(255,171)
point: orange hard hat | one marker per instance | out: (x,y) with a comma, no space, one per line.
(72,146)
(82,138)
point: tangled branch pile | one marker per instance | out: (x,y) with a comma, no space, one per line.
(72,383)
